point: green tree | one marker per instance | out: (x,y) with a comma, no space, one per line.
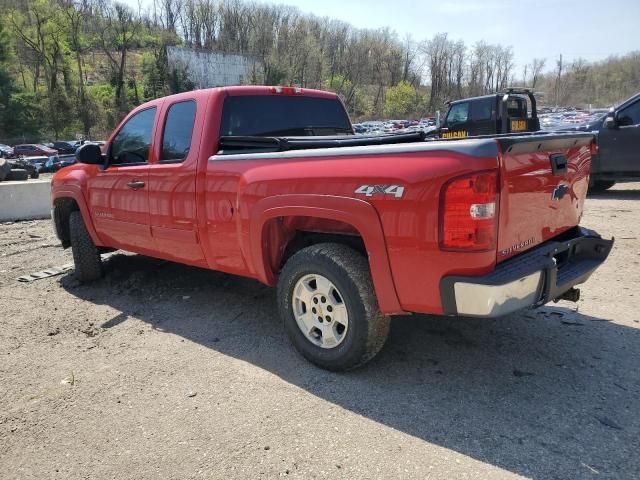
(6,82)
(402,99)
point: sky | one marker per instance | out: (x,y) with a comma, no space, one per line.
(590,29)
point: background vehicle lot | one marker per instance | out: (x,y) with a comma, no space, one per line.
(100,379)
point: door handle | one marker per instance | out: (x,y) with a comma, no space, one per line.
(136,184)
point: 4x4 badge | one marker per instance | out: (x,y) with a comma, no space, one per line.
(370,190)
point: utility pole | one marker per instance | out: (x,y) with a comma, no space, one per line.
(558,80)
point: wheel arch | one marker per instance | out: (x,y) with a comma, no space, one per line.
(270,235)
(63,203)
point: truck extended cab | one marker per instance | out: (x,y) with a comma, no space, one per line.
(270,183)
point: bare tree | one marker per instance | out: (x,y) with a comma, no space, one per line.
(117,30)
(536,69)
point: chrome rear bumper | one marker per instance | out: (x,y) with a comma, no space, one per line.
(528,280)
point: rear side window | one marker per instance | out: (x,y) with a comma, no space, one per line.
(481,109)
(276,115)
(178,129)
(131,144)
(459,113)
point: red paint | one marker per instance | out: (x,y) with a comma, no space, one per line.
(237,216)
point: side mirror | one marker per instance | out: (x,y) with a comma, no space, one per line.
(610,122)
(89,153)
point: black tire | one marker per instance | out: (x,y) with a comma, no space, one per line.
(601,186)
(17,174)
(368,327)
(86,258)
(35,174)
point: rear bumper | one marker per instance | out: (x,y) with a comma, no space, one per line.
(528,280)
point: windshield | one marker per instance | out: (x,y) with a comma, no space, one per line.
(272,115)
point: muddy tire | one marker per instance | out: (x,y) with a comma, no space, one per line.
(86,258)
(17,174)
(328,305)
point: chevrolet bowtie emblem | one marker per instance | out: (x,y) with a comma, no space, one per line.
(559,192)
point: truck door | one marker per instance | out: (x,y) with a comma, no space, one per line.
(457,121)
(172,183)
(620,146)
(483,117)
(118,195)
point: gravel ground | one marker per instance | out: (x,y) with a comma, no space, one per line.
(164,371)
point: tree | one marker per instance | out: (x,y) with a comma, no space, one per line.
(118,28)
(536,69)
(40,28)
(401,100)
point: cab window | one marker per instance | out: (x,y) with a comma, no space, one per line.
(481,109)
(178,129)
(459,113)
(629,115)
(131,144)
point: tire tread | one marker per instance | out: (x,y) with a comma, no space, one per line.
(86,257)
(355,266)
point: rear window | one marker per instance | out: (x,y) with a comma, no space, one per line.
(517,107)
(273,115)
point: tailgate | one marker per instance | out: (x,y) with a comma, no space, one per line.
(544,182)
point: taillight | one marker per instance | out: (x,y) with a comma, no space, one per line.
(287,90)
(469,212)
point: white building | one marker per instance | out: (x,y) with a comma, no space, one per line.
(211,69)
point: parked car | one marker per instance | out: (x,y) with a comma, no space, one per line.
(6,151)
(32,168)
(66,160)
(618,155)
(33,150)
(351,229)
(66,148)
(51,165)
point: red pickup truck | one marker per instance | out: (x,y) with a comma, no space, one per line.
(271,183)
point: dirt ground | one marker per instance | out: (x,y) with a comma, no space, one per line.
(165,371)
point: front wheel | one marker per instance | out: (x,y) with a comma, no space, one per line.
(327,302)
(86,256)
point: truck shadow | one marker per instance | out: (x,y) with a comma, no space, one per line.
(550,393)
(617,194)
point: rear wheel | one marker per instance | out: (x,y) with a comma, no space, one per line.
(327,302)
(86,257)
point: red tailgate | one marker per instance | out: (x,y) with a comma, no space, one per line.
(543,188)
